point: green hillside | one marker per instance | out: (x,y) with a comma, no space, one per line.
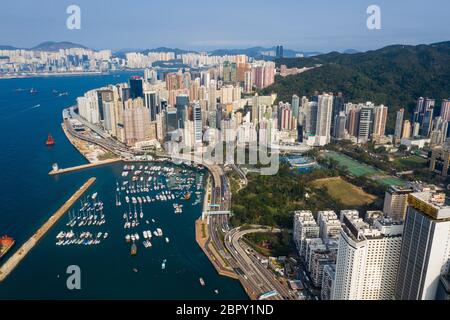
(395,76)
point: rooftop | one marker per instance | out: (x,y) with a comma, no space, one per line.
(433,204)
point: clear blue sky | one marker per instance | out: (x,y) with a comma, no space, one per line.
(322,25)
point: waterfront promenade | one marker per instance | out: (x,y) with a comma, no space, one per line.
(21,253)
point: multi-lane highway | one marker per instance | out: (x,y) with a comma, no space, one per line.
(261,278)
(235,253)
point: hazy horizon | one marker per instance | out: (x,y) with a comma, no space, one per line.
(322,26)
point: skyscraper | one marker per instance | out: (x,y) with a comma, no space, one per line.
(295,106)
(407,129)
(338,106)
(151,102)
(399,124)
(110,117)
(353,120)
(425,250)
(339,131)
(379,121)
(367,259)
(171,120)
(365,123)
(324,114)
(280,52)
(445,109)
(182,102)
(136,87)
(248,82)
(198,128)
(396,202)
(427,121)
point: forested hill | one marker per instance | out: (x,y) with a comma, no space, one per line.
(395,76)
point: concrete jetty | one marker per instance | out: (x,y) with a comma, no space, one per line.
(21,253)
(84,166)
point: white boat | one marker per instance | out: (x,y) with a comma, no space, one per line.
(160,232)
(167,240)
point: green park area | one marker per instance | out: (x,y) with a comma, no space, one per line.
(359,169)
(345,192)
(410,163)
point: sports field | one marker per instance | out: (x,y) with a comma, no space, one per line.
(345,192)
(354,167)
(359,169)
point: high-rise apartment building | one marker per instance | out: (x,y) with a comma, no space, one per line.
(396,202)
(399,125)
(295,106)
(445,109)
(305,227)
(379,121)
(367,259)
(324,115)
(425,254)
(329,224)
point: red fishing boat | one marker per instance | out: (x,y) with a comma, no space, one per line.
(50,141)
(6,243)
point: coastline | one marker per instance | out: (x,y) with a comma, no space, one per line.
(202,236)
(53,74)
(65,74)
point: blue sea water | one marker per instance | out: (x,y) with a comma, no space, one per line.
(28,196)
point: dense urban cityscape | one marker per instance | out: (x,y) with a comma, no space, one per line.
(329,190)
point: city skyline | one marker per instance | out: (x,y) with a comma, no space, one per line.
(341,27)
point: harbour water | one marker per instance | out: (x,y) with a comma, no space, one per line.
(30,196)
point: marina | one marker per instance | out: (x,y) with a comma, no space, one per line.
(21,253)
(42,274)
(143,185)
